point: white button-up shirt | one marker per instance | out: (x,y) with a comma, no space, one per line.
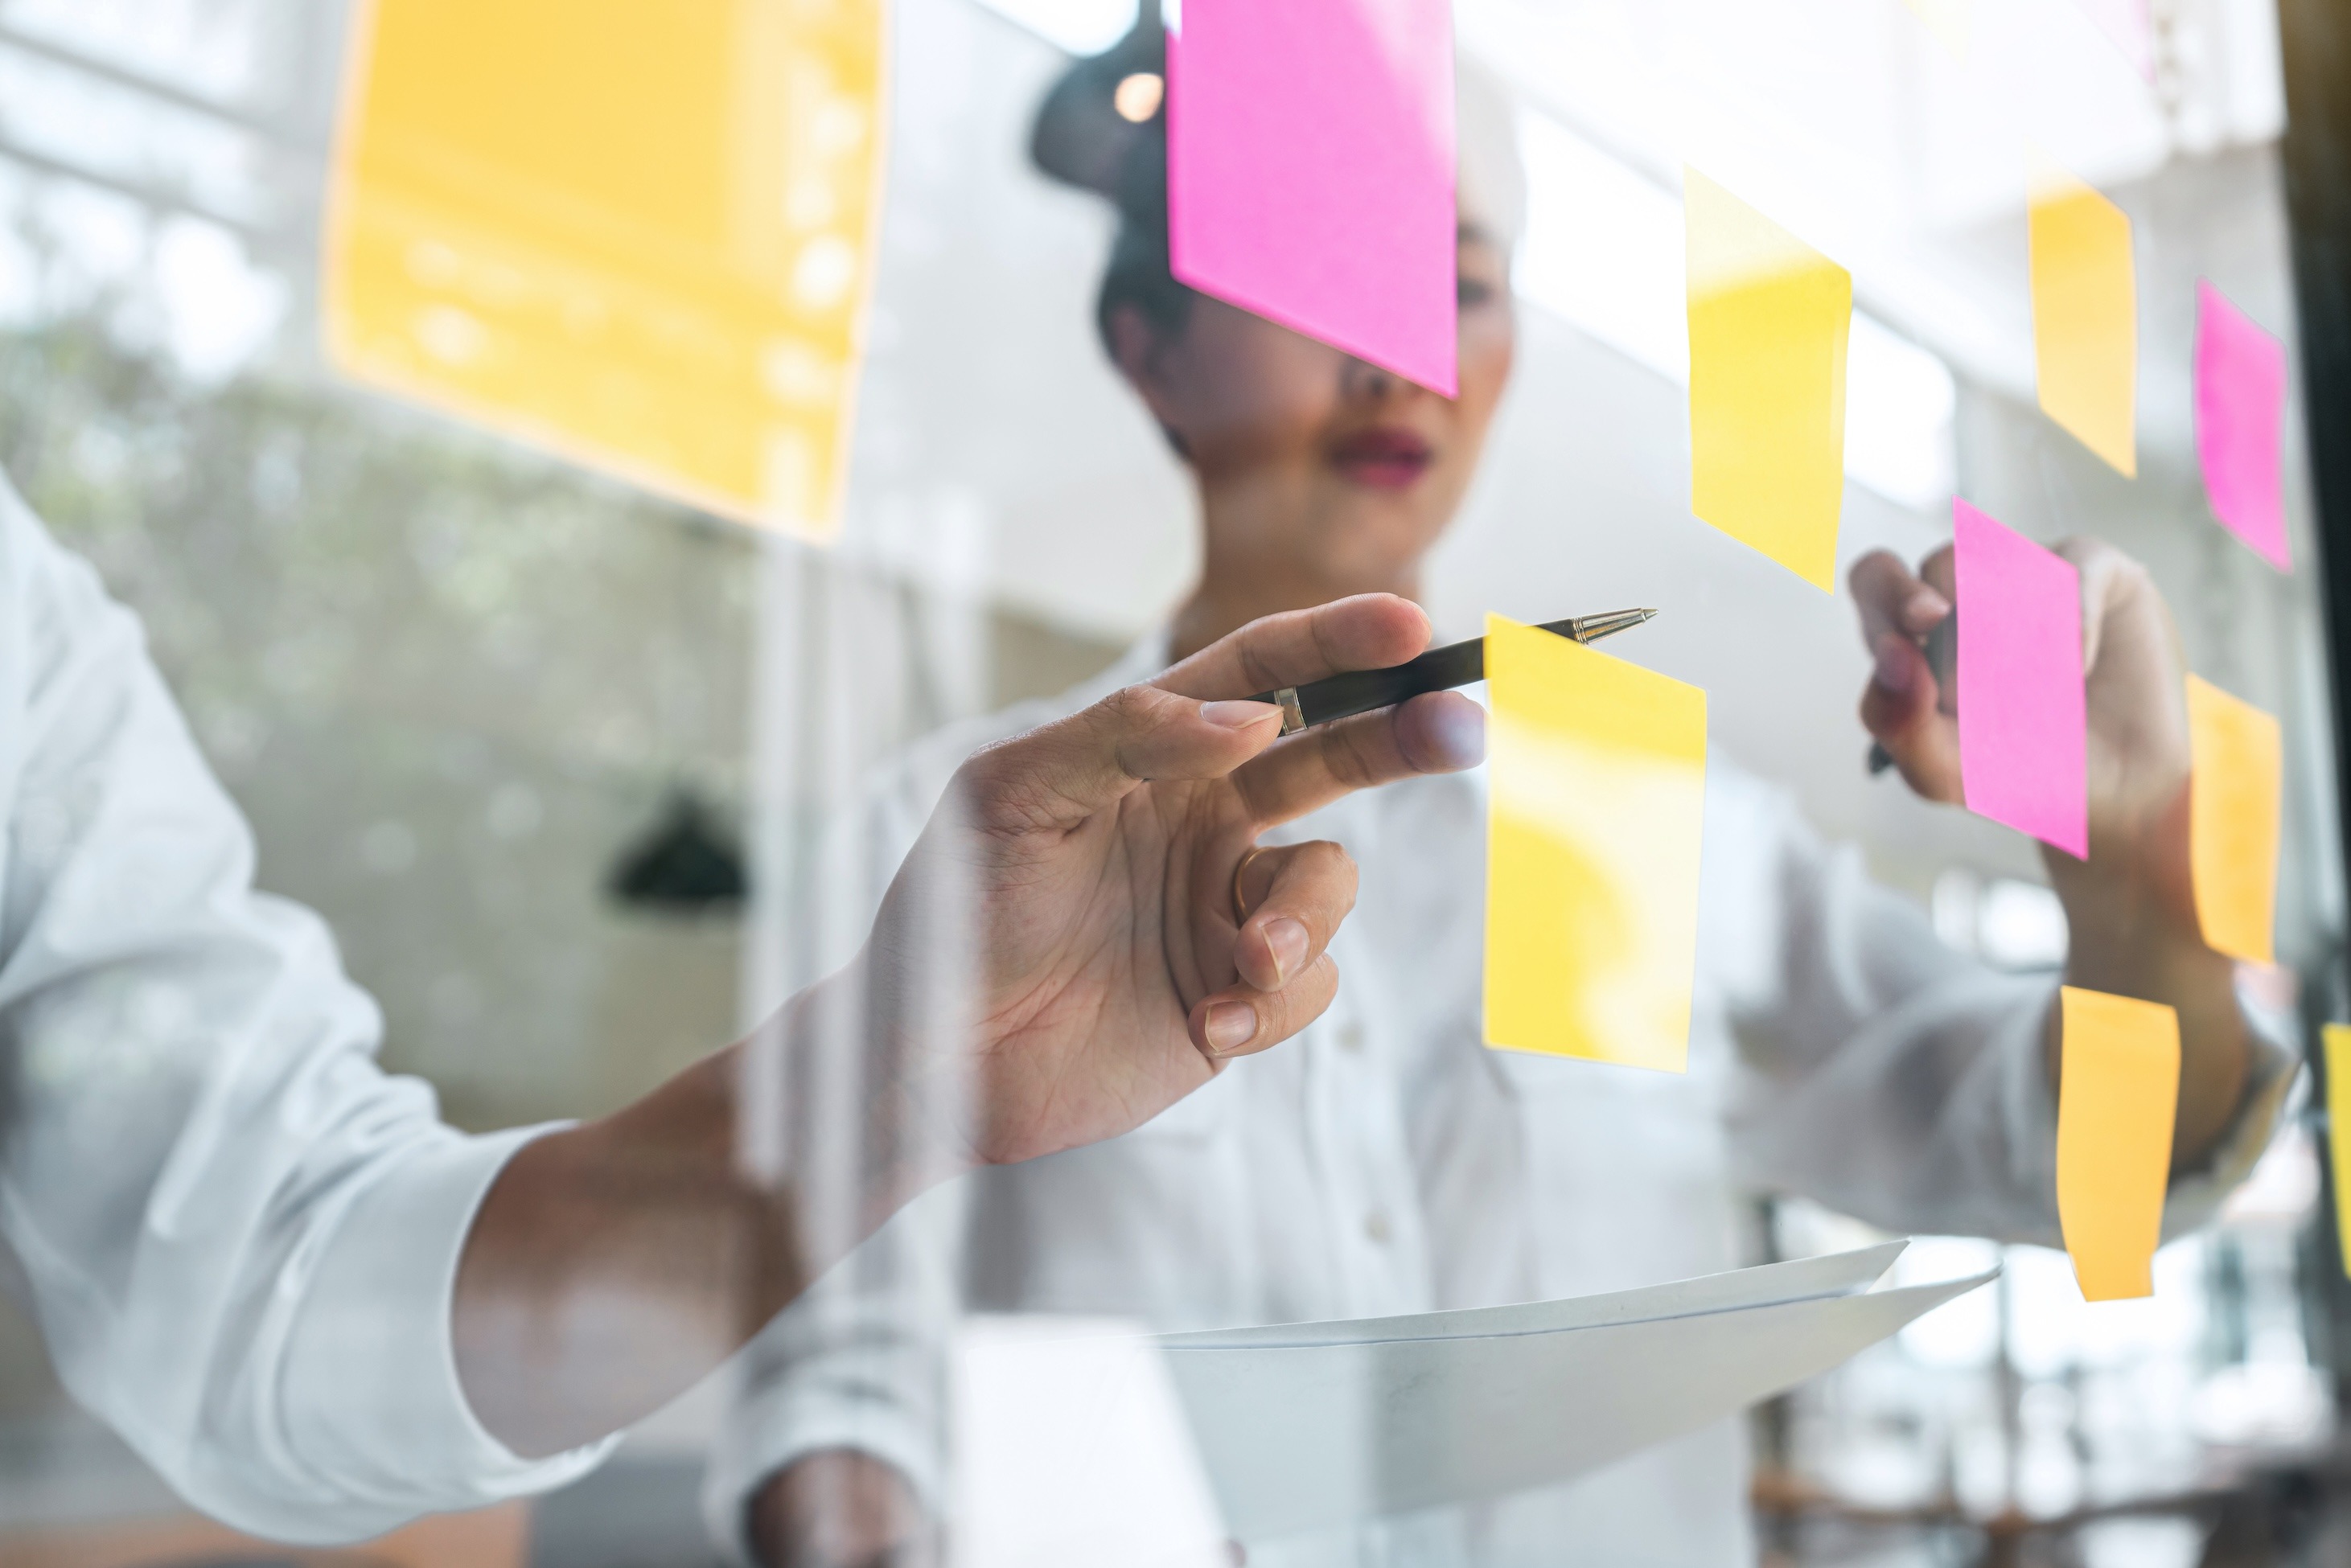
(1385,1161)
(239,1236)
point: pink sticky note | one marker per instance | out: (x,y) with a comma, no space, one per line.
(2023,715)
(2131,28)
(1310,170)
(2240,409)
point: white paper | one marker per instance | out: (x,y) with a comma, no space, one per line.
(1340,1422)
(1803,1279)
(1071,1451)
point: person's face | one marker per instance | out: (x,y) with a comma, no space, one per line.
(1310,459)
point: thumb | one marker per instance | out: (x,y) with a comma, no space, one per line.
(1060,773)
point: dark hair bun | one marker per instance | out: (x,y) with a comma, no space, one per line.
(1080,139)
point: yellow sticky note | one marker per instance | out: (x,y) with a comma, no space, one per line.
(1947,19)
(639,235)
(1768,322)
(2118,1090)
(2237,781)
(2337,1037)
(1597,795)
(2085,314)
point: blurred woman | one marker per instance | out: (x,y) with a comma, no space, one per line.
(1389,1163)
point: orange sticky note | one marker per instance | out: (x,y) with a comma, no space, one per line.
(1596,801)
(2237,783)
(2085,314)
(638,235)
(2118,1092)
(2337,1037)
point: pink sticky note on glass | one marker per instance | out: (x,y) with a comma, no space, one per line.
(2023,715)
(2240,411)
(2132,30)
(1310,170)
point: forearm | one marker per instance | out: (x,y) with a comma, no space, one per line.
(2133,942)
(613,1264)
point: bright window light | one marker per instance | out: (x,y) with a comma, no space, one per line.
(1079,27)
(1602,247)
(1898,403)
(1604,250)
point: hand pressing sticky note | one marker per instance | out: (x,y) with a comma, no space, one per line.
(2023,712)
(2239,416)
(1768,322)
(2338,1131)
(1597,795)
(2084,315)
(1310,170)
(2118,1090)
(2236,785)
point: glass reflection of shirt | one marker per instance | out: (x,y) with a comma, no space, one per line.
(1385,1162)
(238,1235)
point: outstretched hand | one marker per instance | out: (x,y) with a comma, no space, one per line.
(1108,972)
(2130,907)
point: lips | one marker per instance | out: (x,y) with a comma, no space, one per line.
(1385,459)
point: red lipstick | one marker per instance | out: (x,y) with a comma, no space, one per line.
(1384,457)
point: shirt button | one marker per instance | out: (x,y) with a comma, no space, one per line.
(1350,1036)
(1375,1226)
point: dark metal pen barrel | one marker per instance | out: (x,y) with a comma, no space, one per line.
(1439,669)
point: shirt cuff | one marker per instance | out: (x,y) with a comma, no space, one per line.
(372,1399)
(780,1422)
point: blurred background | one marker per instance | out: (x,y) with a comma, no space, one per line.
(549,753)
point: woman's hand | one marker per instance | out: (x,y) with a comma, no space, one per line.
(1084,876)
(2130,907)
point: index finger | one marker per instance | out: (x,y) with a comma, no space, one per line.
(1891,599)
(1367,631)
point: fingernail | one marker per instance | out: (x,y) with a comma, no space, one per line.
(1237,715)
(1894,665)
(1458,731)
(1231,1026)
(1929,606)
(1286,939)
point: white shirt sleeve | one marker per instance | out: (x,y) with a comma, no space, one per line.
(1888,1077)
(238,1235)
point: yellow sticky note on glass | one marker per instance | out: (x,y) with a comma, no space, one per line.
(1769,317)
(1947,19)
(1597,773)
(640,236)
(2337,1037)
(2085,314)
(2118,1090)
(2236,782)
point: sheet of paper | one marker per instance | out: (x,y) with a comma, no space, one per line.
(1071,1450)
(2085,314)
(2337,1037)
(2118,1090)
(1310,170)
(1596,799)
(2023,714)
(638,235)
(2239,422)
(1769,317)
(1799,1278)
(1948,20)
(1323,1435)
(2237,761)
